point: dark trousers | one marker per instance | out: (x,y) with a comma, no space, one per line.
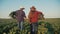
(33,28)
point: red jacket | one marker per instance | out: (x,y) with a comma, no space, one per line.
(34,17)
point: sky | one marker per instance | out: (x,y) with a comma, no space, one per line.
(50,8)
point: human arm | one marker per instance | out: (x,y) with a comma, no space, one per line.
(40,16)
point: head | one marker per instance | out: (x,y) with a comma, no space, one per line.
(33,9)
(22,9)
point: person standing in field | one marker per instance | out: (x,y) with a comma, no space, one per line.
(20,15)
(33,18)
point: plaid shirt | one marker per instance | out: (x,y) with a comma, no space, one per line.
(20,15)
(34,16)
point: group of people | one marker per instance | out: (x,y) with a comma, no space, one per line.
(33,17)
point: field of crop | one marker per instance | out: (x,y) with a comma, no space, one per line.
(49,26)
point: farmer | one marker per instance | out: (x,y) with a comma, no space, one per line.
(33,18)
(20,16)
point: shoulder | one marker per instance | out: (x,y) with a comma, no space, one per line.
(39,12)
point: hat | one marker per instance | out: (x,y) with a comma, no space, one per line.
(21,7)
(33,7)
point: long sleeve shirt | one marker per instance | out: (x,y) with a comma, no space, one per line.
(20,15)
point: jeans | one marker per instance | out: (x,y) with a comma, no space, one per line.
(20,25)
(33,28)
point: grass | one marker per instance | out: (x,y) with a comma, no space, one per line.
(49,26)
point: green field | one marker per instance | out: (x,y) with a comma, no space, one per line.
(48,26)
